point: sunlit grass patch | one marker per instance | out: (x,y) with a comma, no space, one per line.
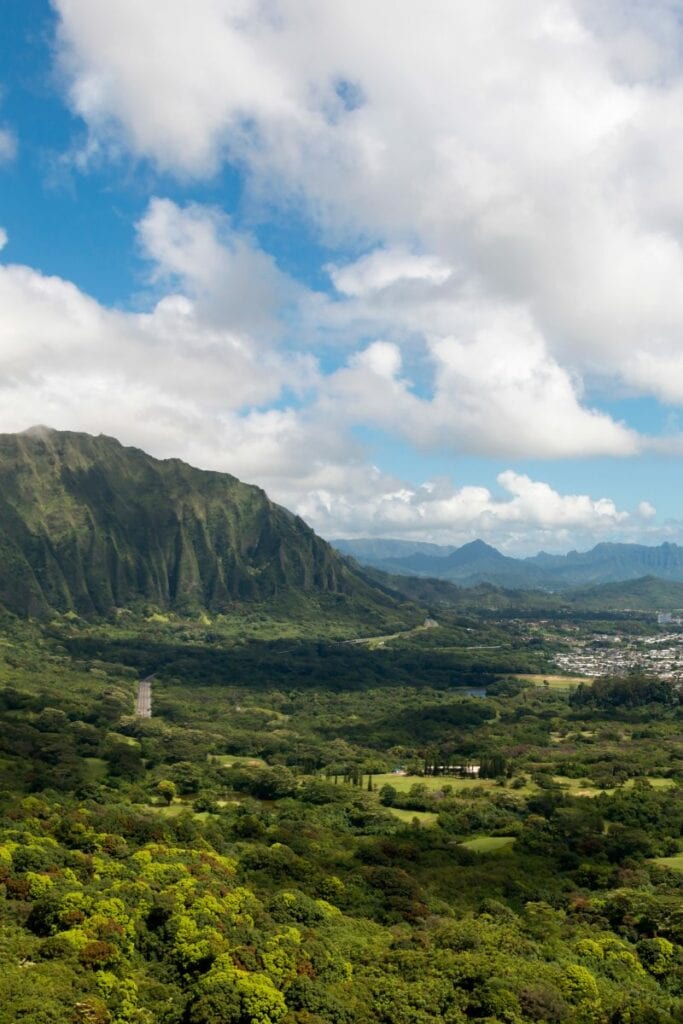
(675,862)
(426,818)
(434,783)
(555,682)
(237,761)
(488,844)
(96,768)
(579,787)
(656,781)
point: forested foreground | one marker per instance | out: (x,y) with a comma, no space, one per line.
(267,847)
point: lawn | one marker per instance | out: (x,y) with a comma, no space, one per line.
(426,818)
(675,862)
(403,783)
(579,787)
(168,810)
(555,682)
(584,787)
(657,781)
(96,768)
(235,761)
(488,844)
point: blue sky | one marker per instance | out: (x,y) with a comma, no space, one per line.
(415,269)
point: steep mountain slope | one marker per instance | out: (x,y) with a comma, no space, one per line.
(89,525)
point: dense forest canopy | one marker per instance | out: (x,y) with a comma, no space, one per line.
(316,831)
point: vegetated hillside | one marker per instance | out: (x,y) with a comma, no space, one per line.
(270,866)
(645,594)
(478,562)
(434,593)
(88,525)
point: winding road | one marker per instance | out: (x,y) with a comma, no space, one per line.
(379,641)
(143,704)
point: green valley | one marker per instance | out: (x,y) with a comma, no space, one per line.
(267,847)
(350,805)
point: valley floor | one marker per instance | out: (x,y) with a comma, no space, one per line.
(280,843)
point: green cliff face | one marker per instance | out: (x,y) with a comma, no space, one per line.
(88,525)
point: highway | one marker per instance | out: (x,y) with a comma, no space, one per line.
(143,704)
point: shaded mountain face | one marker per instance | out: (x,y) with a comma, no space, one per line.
(369,549)
(478,562)
(88,525)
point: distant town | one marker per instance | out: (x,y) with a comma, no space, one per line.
(607,654)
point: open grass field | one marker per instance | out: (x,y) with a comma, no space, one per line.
(174,810)
(579,787)
(555,682)
(426,818)
(234,761)
(170,810)
(403,783)
(655,780)
(584,787)
(675,862)
(96,768)
(488,844)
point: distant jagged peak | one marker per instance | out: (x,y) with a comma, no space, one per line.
(480,545)
(476,550)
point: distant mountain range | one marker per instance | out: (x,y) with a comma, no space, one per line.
(92,527)
(89,526)
(478,562)
(645,594)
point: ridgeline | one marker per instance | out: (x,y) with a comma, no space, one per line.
(90,526)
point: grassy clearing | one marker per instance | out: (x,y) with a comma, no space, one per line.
(579,787)
(170,810)
(120,737)
(570,737)
(657,781)
(279,715)
(584,787)
(96,768)
(488,844)
(675,862)
(555,682)
(426,818)
(235,761)
(404,783)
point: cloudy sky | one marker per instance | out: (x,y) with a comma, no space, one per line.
(414,267)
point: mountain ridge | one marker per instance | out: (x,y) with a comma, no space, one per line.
(90,526)
(478,562)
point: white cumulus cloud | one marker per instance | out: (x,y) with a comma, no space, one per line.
(8,145)
(528,154)
(384,268)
